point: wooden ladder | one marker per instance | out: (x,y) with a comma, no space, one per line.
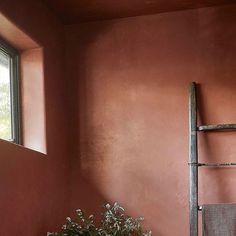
(193,156)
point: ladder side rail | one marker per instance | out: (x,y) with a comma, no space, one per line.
(193,162)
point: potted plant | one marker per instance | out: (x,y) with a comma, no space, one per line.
(113,223)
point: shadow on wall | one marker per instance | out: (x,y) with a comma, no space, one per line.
(84,193)
(103,164)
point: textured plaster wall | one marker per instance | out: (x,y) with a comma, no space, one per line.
(125,118)
(128,83)
(34,193)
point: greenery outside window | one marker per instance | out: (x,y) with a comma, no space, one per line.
(9,93)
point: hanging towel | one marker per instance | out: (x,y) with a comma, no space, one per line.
(219,220)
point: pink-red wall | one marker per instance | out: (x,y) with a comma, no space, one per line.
(128,83)
(120,113)
(34,186)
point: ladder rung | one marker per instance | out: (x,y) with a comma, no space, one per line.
(216,164)
(217,127)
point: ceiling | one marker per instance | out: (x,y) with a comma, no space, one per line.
(74,11)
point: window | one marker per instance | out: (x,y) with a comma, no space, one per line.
(9,93)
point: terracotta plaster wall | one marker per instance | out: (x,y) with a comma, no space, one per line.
(129,83)
(33,196)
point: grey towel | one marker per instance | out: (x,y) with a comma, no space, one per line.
(219,220)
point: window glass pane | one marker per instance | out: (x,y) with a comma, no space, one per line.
(5,97)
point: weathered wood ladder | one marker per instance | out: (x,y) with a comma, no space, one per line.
(193,156)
